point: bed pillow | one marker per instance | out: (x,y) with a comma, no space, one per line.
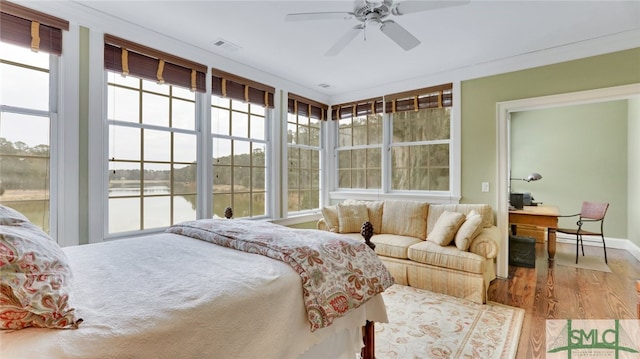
(330,215)
(446,227)
(34,291)
(9,216)
(471,227)
(351,217)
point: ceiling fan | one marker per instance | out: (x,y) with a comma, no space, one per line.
(375,13)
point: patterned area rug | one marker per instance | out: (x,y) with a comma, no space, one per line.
(424,324)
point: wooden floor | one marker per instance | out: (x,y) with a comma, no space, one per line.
(550,291)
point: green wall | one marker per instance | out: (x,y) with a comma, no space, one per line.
(634,171)
(479,98)
(581,152)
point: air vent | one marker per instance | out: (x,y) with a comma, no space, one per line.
(324,86)
(226,45)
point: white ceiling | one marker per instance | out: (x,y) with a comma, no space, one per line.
(455,38)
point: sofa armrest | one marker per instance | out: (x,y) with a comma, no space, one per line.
(486,243)
(322,225)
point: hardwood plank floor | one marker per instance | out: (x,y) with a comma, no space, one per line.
(550,291)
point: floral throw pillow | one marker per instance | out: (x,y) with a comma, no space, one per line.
(34,291)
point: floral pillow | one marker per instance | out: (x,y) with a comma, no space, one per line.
(9,216)
(34,291)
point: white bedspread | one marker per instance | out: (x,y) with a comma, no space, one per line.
(169,296)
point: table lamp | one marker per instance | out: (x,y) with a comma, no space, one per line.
(517,199)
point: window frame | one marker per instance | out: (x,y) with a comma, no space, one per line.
(267,142)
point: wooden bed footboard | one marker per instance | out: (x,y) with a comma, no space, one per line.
(368,336)
(638,290)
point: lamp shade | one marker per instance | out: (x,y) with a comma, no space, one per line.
(533,177)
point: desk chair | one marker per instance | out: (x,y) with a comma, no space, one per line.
(590,212)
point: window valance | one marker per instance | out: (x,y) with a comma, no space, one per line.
(224,84)
(306,107)
(430,97)
(358,108)
(414,100)
(131,58)
(29,28)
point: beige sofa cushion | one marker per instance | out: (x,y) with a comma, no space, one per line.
(375,209)
(389,245)
(351,217)
(405,218)
(428,252)
(446,227)
(435,210)
(330,215)
(468,230)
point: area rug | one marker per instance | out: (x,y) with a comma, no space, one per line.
(423,324)
(586,262)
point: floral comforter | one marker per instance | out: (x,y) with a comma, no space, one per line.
(338,274)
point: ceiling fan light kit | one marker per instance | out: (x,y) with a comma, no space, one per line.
(370,12)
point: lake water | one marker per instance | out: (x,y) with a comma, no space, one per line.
(124,213)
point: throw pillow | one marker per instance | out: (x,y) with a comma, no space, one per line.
(35,280)
(9,216)
(446,227)
(330,214)
(405,218)
(351,217)
(375,212)
(468,230)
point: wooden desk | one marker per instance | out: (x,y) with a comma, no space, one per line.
(542,216)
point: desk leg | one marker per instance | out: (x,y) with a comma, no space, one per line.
(551,242)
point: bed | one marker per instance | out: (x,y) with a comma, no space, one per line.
(173,296)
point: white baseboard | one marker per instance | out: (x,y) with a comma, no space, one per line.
(617,243)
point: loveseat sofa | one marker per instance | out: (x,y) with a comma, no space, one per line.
(444,248)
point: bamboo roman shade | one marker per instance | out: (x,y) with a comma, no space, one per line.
(224,84)
(29,28)
(305,107)
(414,100)
(354,109)
(430,97)
(128,57)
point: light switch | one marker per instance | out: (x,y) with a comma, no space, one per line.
(485,186)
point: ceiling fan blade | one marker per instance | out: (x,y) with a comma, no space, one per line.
(410,7)
(319,16)
(399,35)
(344,40)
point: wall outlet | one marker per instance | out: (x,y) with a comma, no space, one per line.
(485,186)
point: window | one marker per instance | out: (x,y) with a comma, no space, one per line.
(240,112)
(418,139)
(29,43)
(360,145)
(25,127)
(152,154)
(240,151)
(420,150)
(153,137)
(304,145)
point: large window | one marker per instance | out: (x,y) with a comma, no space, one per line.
(240,151)
(152,154)
(304,145)
(241,147)
(410,136)
(25,127)
(29,44)
(153,136)
(420,150)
